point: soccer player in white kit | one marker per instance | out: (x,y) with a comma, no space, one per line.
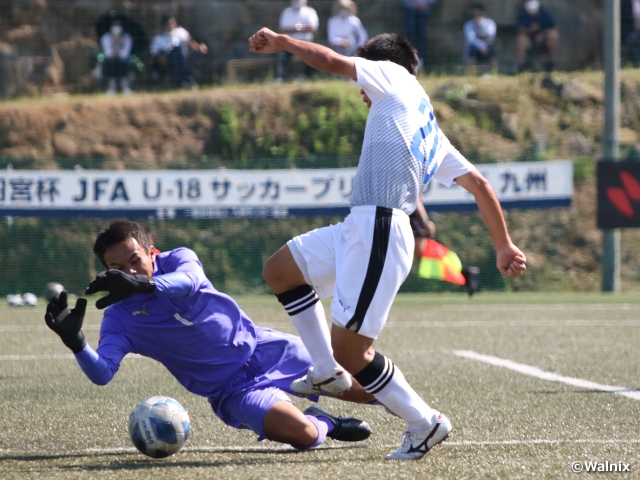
(362,261)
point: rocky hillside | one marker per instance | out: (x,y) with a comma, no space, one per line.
(490,118)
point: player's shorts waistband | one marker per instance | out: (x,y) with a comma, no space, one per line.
(379,211)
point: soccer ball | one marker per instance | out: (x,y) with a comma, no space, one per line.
(52,289)
(159,426)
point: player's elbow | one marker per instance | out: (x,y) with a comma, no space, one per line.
(474,182)
(100,381)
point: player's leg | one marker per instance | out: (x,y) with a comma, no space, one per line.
(523,45)
(359,310)
(285,423)
(282,358)
(270,413)
(290,273)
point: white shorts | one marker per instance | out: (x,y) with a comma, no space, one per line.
(361,262)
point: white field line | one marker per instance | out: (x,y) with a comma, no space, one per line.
(530,306)
(541,374)
(515,323)
(280,447)
(566,322)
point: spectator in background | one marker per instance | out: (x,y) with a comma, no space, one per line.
(344,30)
(170,53)
(416,16)
(116,45)
(630,29)
(537,33)
(298,21)
(480,33)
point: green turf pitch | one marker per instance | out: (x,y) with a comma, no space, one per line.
(56,424)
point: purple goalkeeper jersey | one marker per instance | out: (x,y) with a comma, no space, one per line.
(202,337)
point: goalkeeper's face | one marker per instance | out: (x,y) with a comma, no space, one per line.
(130,257)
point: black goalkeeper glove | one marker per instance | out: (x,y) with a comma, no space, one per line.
(120,286)
(67,323)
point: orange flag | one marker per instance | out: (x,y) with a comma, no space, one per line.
(440,263)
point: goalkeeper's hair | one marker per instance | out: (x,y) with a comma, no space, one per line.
(392,47)
(118,232)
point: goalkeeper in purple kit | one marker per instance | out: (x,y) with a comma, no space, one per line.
(162,306)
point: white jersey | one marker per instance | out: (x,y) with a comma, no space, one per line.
(166,41)
(403,147)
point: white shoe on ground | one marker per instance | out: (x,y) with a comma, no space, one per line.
(15,300)
(416,444)
(337,383)
(30,299)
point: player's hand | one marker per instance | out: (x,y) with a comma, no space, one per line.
(120,286)
(511,261)
(67,323)
(264,41)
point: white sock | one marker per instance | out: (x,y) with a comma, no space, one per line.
(311,325)
(401,399)
(384,380)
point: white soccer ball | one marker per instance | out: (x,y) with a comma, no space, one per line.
(159,426)
(52,289)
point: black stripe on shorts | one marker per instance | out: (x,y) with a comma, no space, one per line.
(381,234)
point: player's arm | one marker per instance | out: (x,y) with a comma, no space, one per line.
(186,279)
(317,56)
(67,323)
(510,260)
(420,223)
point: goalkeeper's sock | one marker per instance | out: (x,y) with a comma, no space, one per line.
(327,422)
(322,428)
(307,315)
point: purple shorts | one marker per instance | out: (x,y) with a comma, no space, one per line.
(264,380)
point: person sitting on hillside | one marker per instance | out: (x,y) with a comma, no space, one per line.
(170,53)
(116,45)
(344,30)
(537,33)
(480,33)
(298,21)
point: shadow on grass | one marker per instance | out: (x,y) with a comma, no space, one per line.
(123,463)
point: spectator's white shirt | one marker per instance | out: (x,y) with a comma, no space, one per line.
(289,18)
(480,33)
(116,46)
(346,28)
(166,41)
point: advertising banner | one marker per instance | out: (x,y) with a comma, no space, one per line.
(251,193)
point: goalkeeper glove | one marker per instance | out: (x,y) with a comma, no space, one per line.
(120,286)
(67,323)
